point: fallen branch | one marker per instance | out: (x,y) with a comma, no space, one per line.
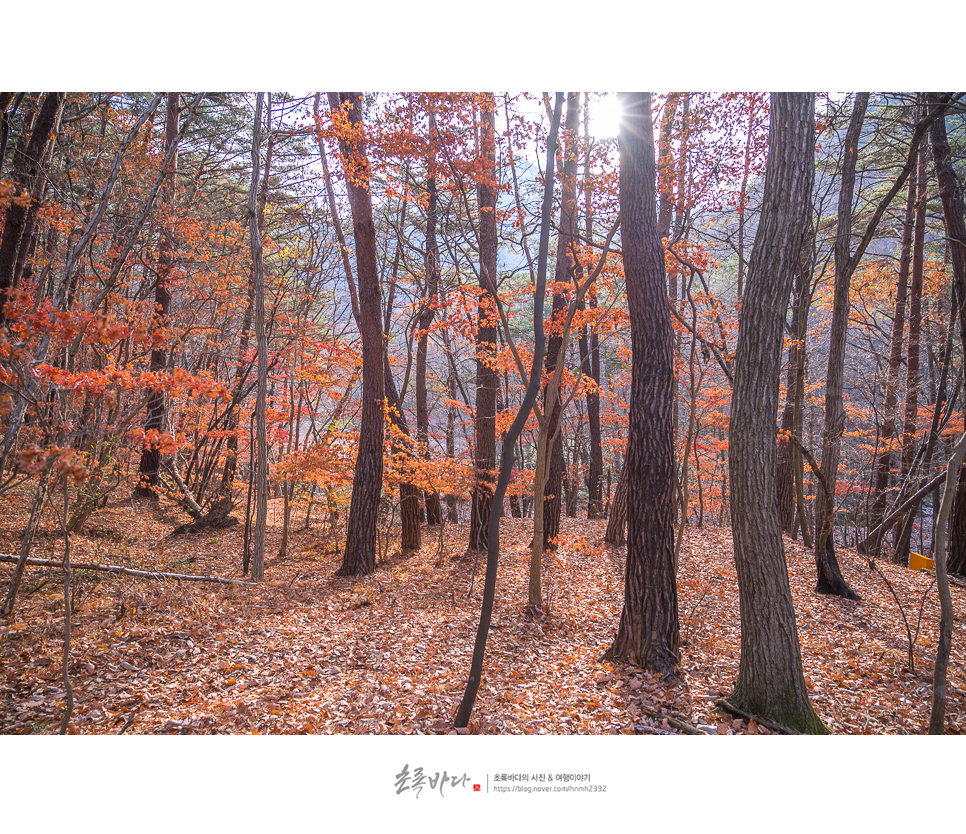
(683,726)
(186,577)
(764,722)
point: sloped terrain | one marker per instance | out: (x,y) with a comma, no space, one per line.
(307,652)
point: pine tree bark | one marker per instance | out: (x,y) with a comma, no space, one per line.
(770,681)
(359,557)
(648,633)
(487,375)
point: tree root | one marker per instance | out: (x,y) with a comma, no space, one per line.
(683,726)
(765,722)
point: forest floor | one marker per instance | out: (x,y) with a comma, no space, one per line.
(309,652)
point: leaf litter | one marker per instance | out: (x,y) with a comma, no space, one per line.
(309,652)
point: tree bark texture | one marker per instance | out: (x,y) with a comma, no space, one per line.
(487,375)
(617,520)
(360,550)
(648,633)
(770,681)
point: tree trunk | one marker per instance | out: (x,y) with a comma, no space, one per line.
(434,513)
(648,632)
(770,682)
(617,520)
(913,381)
(590,356)
(150,465)
(951,195)
(788,457)
(452,513)
(487,375)
(360,549)
(28,176)
(261,346)
(888,432)
(402,450)
(242,365)
(665,166)
(402,447)
(937,714)
(830,580)
(506,461)
(563,276)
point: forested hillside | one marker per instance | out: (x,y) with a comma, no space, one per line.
(482,412)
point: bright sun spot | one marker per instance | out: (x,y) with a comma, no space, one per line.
(605,116)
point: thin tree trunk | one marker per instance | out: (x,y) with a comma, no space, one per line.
(403,451)
(913,380)
(36,508)
(261,343)
(150,465)
(951,196)
(888,432)
(564,274)
(937,714)
(830,580)
(242,365)
(590,355)
(507,455)
(434,515)
(787,452)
